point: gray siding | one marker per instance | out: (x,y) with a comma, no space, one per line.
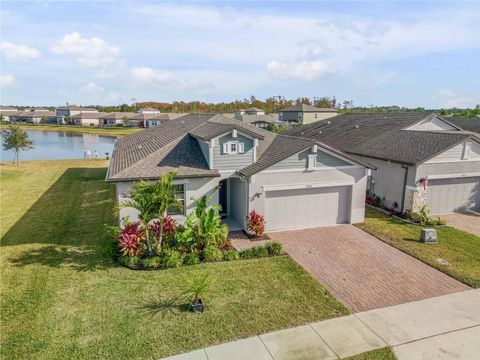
(457,167)
(299,161)
(205,149)
(223,161)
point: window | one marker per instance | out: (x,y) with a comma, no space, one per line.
(233,147)
(179,193)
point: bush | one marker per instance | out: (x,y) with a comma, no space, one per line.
(170,258)
(230,255)
(260,251)
(246,254)
(130,239)
(211,254)
(274,248)
(129,260)
(191,259)
(256,223)
(151,262)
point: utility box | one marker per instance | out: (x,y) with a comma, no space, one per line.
(428,236)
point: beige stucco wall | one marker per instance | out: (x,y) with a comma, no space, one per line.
(312,117)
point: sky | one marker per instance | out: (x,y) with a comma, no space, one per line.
(414,54)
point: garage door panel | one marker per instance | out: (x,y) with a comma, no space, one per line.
(303,208)
(453,194)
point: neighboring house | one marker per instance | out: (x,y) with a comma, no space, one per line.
(69,111)
(87,118)
(421,158)
(305,114)
(114,118)
(467,123)
(7,111)
(249,111)
(148,110)
(261,121)
(35,116)
(152,119)
(294,182)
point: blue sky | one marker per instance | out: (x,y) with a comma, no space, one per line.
(382,53)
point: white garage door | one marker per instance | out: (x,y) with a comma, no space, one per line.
(304,208)
(455,194)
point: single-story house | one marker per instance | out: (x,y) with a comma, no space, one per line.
(261,121)
(115,118)
(152,119)
(294,182)
(420,158)
(301,114)
(87,118)
(69,111)
(35,116)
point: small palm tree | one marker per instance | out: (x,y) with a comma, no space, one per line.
(166,200)
(143,197)
(17,140)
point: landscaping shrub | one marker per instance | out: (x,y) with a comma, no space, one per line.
(130,238)
(129,260)
(230,255)
(256,223)
(247,253)
(152,262)
(191,259)
(211,254)
(170,258)
(274,248)
(260,251)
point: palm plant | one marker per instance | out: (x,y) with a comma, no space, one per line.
(195,289)
(143,198)
(166,199)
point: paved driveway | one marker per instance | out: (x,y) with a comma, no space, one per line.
(362,271)
(468,221)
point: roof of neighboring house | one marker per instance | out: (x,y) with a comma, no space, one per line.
(307,108)
(7,108)
(92,115)
(161,116)
(172,145)
(34,113)
(467,123)
(254,109)
(9,112)
(250,119)
(382,136)
(118,115)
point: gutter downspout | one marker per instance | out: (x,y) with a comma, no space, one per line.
(404,190)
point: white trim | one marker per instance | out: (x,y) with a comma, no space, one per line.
(210,154)
(457,175)
(318,168)
(230,132)
(309,185)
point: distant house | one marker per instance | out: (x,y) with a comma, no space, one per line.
(295,183)
(87,118)
(148,110)
(7,111)
(420,158)
(301,114)
(68,111)
(35,116)
(249,111)
(150,117)
(114,118)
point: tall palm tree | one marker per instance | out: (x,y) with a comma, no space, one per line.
(143,198)
(166,200)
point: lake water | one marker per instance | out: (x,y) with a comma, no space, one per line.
(56,145)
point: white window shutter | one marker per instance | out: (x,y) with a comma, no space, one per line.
(225,148)
(241,148)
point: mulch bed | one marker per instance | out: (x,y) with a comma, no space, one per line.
(243,235)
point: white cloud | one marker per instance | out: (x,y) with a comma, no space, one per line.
(303,70)
(6,79)
(19,52)
(98,95)
(91,52)
(448,98)
(151,77)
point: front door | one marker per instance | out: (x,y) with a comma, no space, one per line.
(223,197)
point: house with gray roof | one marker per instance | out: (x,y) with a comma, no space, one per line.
(420,158)
(301,114)
(295,182)
(65,113)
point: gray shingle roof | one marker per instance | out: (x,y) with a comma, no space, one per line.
(466,123)
(380,135)
(307,108)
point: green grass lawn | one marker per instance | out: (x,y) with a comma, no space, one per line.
(113,131)
(459,248)
(62,297)
(380,354)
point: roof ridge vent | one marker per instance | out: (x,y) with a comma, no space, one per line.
(356,126)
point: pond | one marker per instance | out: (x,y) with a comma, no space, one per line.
(56,145)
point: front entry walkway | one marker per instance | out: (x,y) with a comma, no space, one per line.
(467,221)
(446,327)
(361,271)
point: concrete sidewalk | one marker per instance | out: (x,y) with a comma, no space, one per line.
(445,327)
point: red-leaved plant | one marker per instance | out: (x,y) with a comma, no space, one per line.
(130,239)
(169,226)
(256,223)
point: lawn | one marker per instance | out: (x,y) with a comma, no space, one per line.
(113,131)
(63,297)
(460,249)
(380,354)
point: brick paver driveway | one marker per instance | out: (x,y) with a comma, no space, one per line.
(468,221)
(362,271)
